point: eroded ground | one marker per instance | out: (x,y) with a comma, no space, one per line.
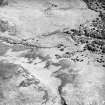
(52,52)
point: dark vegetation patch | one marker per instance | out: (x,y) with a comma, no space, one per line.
(7,70)
(61,47)
(3,2)
(94,29)
(100,59)
(94,47)
(3,25)
(92,34)
(96,5)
